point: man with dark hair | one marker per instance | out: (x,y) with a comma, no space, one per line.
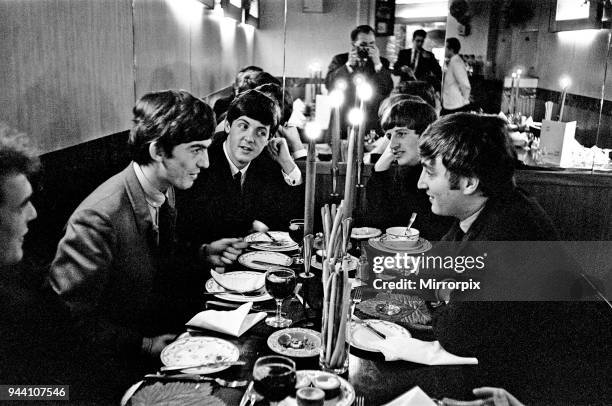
(391,192)
(17,164)
(417,63)
(417,88)
(244,183)
(455,84)
(114,264)
(241,83)
(363,60)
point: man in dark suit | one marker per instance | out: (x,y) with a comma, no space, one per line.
(417,63)
(113,266)
(244,183)
(364,60)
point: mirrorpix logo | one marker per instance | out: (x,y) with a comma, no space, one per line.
(412,264)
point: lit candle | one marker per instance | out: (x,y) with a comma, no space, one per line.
(565,82)
(312,133)
(518,88)
(336,98)
(364,93)
(355,119)
(511,107)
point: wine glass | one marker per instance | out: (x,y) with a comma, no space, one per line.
(390,307)
(274,378)
(280,284)
(296,232)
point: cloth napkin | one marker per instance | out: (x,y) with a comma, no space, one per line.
(232,322)
(414,397)
(243,284)
(421,352)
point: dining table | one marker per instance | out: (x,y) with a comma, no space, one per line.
(379,381)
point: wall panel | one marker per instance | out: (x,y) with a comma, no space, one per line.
(66,75)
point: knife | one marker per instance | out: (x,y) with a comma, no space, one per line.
(235,306)
(263,263)
(247,394)
(194,378)
(370,328)
(202,365)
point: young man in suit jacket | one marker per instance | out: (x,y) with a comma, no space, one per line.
(417,63)
(251,177)
(114,265)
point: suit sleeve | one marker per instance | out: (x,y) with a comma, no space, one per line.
(377,206)
(397,68)
(80,272)
(336,70)
(383,79)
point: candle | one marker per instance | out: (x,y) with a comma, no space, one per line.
(336,97)
(518,88)
(364,93)
(356,119)
(511,107)
(312,132)
(565,82)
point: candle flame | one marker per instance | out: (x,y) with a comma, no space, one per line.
(518,72)
(336,97)
(340,85)
(312,130)
(565,82)
(513,74)
(355,116)
(315,67)
(364,91)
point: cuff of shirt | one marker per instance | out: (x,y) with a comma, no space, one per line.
(300,153)
(349,67)
(294,178)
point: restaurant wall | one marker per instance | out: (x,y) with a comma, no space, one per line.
(476,43)
(72,69)
(311,37)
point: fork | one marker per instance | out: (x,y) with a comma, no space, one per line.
(357,296)
(359,401)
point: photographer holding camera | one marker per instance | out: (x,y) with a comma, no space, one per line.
(363,59)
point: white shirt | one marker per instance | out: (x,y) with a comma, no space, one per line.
(456,86)
(292,179)
(465,224)
(155,199)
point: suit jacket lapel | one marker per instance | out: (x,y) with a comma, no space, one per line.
(138,202)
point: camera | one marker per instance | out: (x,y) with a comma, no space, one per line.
(363,51)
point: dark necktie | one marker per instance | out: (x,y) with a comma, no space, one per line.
(238,181)
(459,235)
(166,228)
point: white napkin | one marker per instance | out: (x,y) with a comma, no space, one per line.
(232,322)
(414,397)
(297,118)
(243,283)
(421,352)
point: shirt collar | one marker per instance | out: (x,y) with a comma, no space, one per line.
(465,224)
(153,196)
(233,167)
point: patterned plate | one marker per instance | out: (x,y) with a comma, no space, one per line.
(282,236)
(240,281)
(310,341)
(193,350)
(212,286)
(414,312)
(347,392)
(422,246)
(362,338)
(316,264)
(247,259)
(362,233)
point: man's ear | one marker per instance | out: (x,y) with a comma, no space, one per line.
(469,185)
(227,127)
(155,152)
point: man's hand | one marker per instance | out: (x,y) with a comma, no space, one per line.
(374,54)
(279,151)
(153,346)
(407,70)
(353,57)
(385,160)
(492,397)
(224,251)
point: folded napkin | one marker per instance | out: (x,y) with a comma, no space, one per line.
(421,352)
(414,397)
(232,322)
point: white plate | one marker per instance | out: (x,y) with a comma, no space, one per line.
(240,281)
(422,246)
(363,339)
(194,350)
(277,258)
(213,287)
(316,264)
(361,233)
(347,392)
(312,337)
(282,236)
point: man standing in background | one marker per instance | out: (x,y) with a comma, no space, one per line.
(456,85)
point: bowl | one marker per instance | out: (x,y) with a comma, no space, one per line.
(398,238)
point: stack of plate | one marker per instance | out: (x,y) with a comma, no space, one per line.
(239,286)
(381,244)
(282,243)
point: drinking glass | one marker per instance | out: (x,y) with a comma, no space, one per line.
(280,284)
(296,232)
(389,308)
(274,378)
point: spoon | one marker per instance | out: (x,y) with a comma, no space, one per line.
(412,218)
